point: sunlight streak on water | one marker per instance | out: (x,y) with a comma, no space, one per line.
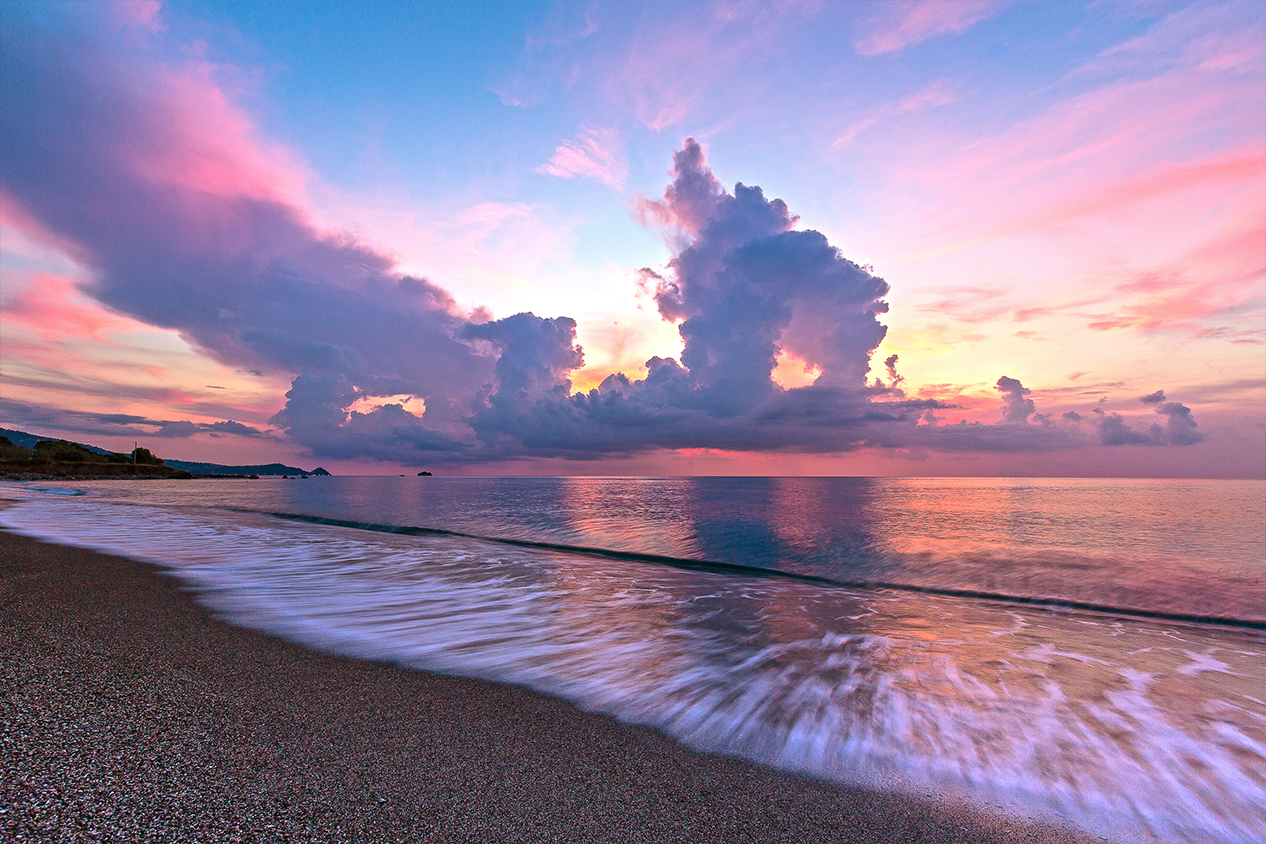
(1184,547)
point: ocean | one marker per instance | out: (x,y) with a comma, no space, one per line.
(1085,651)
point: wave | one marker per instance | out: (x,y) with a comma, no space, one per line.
(1140,731)
(739,569)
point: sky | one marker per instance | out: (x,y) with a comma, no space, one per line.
(953,237)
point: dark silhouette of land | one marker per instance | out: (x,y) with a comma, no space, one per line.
(25,456)
(62,459)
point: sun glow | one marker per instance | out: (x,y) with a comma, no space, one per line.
(367,404)
(791,372)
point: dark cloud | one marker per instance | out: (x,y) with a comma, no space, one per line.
(148,178)
(744,287)
(27,415)
(1114,430)
(534,355)
(1016,407)
(234,428)
(317,415)
(1153,398)
(1179,427)
(890,364)
(181,428)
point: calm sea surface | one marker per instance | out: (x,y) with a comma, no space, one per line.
(1085,650)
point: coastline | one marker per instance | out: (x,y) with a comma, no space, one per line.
(132,712)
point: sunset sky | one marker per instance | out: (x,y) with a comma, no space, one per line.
(967,237)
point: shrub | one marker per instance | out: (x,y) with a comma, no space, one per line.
(142,457)
(60,451)
(10,453)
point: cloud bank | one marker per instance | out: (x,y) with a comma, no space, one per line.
(148,177)
(744,287)
(151,179)
(26,415)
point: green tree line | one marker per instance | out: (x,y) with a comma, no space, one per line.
(61,451)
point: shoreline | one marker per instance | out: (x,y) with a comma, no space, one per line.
(132,712)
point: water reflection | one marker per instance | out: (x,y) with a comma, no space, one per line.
(1182,547)
(651,516)
(1126,726)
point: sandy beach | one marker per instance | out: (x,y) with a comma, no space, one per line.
(131,713)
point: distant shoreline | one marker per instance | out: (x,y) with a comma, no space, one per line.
(32,457)
(87,472)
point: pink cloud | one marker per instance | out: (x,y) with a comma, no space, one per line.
(103,391)
(1138,142)
(188,221)
(594,154)
(697,57)
(181,135)
(487,216)
(1146,180)
(1216,174)
(1205,36)
(939,93)
(970,304)
(196,139)
(1219,280)
(53,308)
(912,23)
(142,13)
(62,347)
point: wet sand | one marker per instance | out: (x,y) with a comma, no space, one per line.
(128,712)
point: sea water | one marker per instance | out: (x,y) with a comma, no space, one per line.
(1089,651)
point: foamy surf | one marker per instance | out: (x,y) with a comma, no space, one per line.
(1130,729)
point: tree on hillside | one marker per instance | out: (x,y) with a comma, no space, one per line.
(10,453)
(60,451)
(142,457)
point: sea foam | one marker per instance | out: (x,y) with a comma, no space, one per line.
(1132,729)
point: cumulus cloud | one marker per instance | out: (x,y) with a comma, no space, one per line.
(1017,407)
(743,287)
(152,180)
(317,415)
(1180,425)
(1179,428)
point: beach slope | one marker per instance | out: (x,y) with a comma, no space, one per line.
(129,713)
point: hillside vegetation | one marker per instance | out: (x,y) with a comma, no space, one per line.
(62,459)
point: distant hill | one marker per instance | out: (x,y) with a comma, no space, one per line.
(27,440)
(257,469)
